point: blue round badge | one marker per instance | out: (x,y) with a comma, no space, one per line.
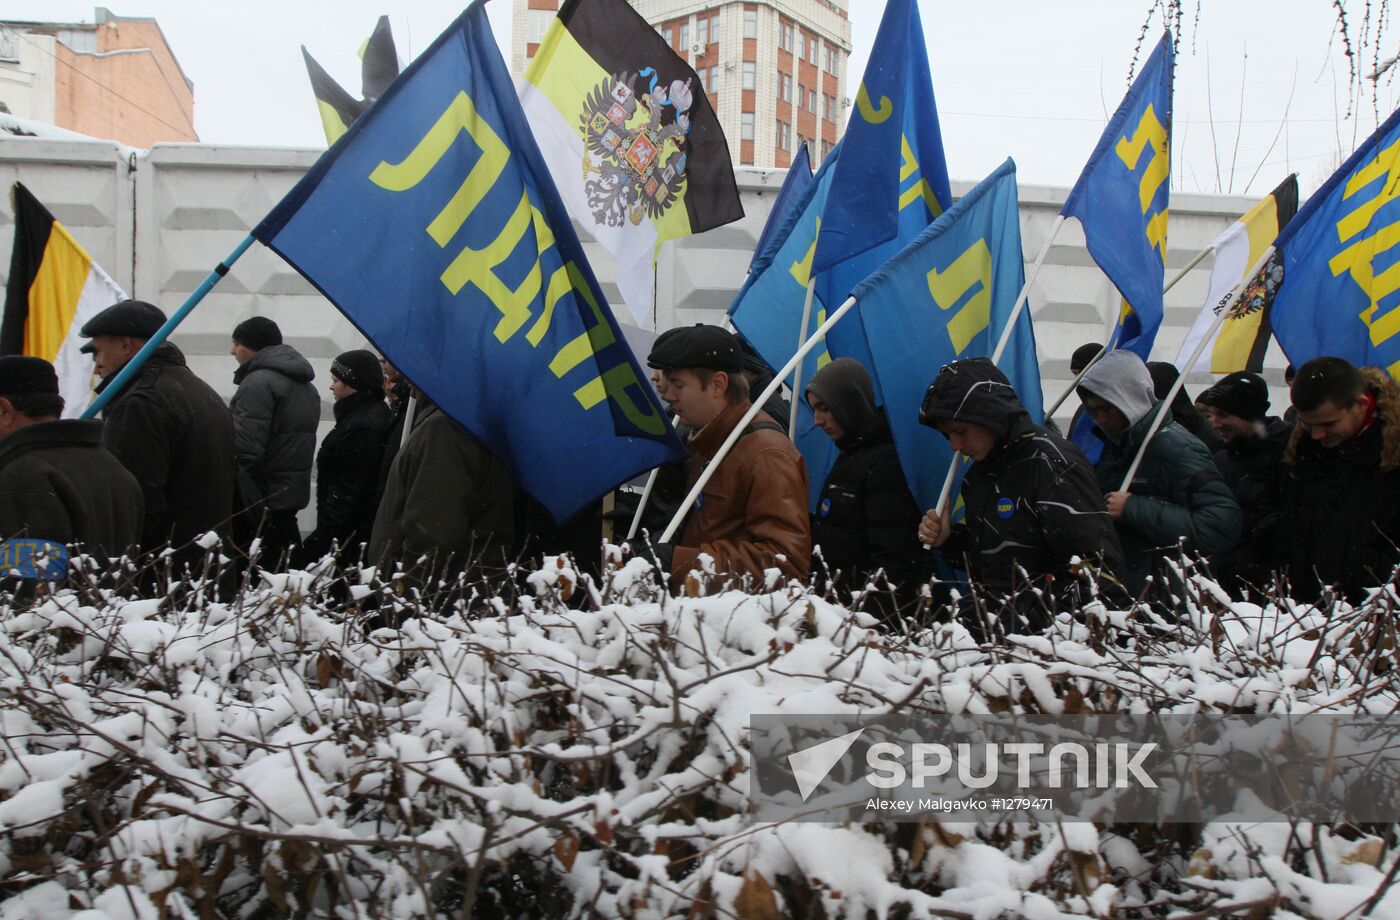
(825,507)
(1005,508)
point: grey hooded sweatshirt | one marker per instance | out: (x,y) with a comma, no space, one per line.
(1177,493)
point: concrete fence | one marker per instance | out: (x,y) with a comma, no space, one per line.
(159,220)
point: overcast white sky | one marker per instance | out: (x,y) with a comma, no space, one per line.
(1031,79)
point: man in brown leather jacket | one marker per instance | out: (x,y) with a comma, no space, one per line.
(751,516)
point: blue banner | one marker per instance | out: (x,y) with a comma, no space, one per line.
(1121,201)
(433,225)
(768,311)
(949,295)
(1341,288)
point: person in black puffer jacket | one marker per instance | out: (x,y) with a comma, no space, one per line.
(347,466)
(1184,411)
(1035,517)
(867,518)
(275,414)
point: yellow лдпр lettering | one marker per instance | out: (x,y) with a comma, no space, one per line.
(478,266)
(970,273)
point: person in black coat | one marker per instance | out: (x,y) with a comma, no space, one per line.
(168,427)
(347,466)
(1251,462)
(866,518)
(1184,411)
(57,483)
(1340,524)
(1035,516)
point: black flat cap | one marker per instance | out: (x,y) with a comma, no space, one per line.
(135,318)
(708,347)
(25,374)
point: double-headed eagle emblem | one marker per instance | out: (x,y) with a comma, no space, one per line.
(634,149)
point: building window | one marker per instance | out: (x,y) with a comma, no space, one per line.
(801,46)
(539,23)
(812,101)
(714,79)
(787,87)
(749,75)
(830,113)
(784,135)
(668,33)
(702,33)
(834,60)
(787,37)
(746,126)
(812,45)
(751,23)
(685,37)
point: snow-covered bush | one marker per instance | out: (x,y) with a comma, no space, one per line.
(278,748)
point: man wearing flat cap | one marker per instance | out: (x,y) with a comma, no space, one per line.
(166,426)
(275,414)
(1251,462)
(57,483)
(751,516)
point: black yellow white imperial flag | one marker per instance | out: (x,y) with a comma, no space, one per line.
(630,137)
(54,288)
(379,65)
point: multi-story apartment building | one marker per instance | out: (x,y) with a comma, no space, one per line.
(774,70)
(112,78)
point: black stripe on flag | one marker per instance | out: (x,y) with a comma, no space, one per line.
(327,91)
(33,224)
(1266,282)
(619,40)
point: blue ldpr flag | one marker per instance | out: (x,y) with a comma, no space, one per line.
(798,179)
(768,311)
(1121,201)
(949,295)
(883,198)
(1340,293)
(434,226)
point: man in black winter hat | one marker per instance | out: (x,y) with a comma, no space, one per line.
(57,483)
(275,414)
(168,427)
(1251,462)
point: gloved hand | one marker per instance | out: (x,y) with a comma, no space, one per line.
(658,554)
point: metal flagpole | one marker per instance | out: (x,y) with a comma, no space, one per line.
(1180,381)
(124,375)
(754,408)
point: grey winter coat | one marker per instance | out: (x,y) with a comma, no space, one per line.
(58,484)
(1177,492)
(275,414)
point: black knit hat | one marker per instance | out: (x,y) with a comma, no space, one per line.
(359,370)
(702,346)
(257,333)
(25,374)
(1242,393)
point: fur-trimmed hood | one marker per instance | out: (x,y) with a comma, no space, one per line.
(1387,394)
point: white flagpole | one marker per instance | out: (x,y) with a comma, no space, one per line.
(797,374)
(754,408)
(1180,381)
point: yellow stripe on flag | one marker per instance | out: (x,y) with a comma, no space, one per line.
(1238,333)
(54,293)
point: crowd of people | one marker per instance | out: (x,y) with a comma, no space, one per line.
(1310,501)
